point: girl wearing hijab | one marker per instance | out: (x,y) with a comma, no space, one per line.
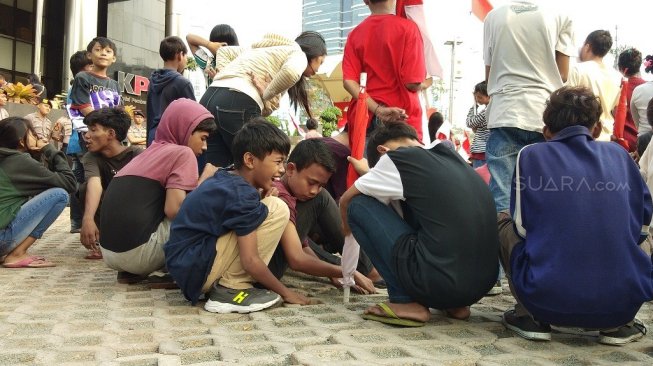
(146,194)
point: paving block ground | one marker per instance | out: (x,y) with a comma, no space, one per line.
(76,314)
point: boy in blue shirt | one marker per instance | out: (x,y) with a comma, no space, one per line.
(224,234)
(579,210)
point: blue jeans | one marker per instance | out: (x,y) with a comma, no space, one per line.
(34,217)
(231,109)
(377,228)
(501,153)
(478,163)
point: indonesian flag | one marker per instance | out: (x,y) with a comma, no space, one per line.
(480,8)
(414,10)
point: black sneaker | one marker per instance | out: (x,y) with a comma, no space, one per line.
(624,334)
(224,300)
(526,327)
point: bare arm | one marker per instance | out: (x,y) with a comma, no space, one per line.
(417,87)
(299,260)
(562,61)
(90,232)
(255,267)
(174,198)
(195,41)
(136,140)
(87,110)
(383,113)
(344,204)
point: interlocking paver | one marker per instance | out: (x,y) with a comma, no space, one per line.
(76,314)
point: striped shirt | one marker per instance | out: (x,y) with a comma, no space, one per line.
(478,122)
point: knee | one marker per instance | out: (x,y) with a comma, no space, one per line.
(277,209)
(360,206)
(59,195)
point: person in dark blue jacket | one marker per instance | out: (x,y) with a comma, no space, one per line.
(579,209)
(167,84)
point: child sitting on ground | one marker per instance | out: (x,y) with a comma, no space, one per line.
(224,234)
(146,194)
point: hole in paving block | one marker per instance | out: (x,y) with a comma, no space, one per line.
(198,356)
(136,313)
(572,361)
(368,338)
(32,328)
(184,322)
(317,309)
(146,362)
(333,355)
(16,358)
(460,333)
(444,350)
(137,325)
(415,336)
(487,350)
(250,337)
(263,350)
(196,343)
(136,338)
(79,356)
(184,311)
(334,319)
(299,334)
(390,352)
(241,327)
(282,323)
(280,312)
(83,341)
(136,350)
(617,357)
(580,342)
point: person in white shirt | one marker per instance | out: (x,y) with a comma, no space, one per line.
(603,80)
(639,101)
(526,51)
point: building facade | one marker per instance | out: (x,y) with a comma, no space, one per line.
(333,19)
(39,36)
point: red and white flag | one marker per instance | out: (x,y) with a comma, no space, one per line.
(414,10)
(480,8)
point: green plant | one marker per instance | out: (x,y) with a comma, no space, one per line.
(279,123)
(329,118)
(19,93)
(191,64)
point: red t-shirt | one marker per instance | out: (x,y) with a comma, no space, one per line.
(289,199)
(390,50)
(630,129)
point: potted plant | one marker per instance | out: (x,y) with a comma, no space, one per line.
(329,118)
(21,94)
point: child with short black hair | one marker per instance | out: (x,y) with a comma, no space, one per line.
(311,126)
(224,234)
(107,128)
(568,259)
(477,121)
(94,89)
(167,84)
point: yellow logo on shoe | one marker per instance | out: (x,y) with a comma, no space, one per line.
(240,297)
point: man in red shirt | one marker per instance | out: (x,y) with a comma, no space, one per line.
(390,50)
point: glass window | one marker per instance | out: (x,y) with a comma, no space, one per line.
(6,19)
(24,57)
(27,5)
(7,54)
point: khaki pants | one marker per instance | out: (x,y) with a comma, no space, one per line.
(144,259)
(227,268)
(508,239)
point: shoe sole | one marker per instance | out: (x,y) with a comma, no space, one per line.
(494,291)
(226,308)
(533,336)
(619,341)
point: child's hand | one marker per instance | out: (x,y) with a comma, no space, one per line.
(364,283)
(294,298)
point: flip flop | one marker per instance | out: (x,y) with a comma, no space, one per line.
(392,318)
(30,262)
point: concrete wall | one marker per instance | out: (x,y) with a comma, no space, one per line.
(21,110)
